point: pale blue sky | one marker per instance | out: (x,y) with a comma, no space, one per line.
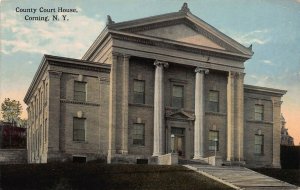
(272,26)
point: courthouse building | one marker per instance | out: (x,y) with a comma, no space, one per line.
(146,83)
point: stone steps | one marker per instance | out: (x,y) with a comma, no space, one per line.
(241,178)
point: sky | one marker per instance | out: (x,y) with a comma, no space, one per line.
(271,26)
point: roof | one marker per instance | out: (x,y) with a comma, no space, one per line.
(184,16)
(63,62)
(276,92)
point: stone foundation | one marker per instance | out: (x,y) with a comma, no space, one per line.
(13,156)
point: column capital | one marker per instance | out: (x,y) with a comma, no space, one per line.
(55,74)
(236,75)
(126,56)
(201,70)
(161,63)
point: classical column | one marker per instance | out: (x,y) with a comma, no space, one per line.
(158,108)
(199,113)
(112,108)
(240,116)
(230,115)
(125,104)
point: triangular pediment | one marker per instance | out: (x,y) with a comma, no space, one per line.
(181,33)
(181,115)
(180,29)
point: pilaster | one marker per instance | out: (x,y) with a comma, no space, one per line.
(276,132)
(239,154)
(54,110)
(199,113)
(125,104)
(112,108)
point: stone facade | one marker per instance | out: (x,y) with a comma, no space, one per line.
(162,84)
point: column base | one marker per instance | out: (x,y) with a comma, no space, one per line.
(157,154)
(198,157)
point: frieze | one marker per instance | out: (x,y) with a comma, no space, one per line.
(277,103)
(55,74)
(178,47)
(77,66)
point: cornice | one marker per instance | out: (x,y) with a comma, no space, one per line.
(264,90)
(171,44)
(198,21)
(163,20)
(41,70)
(62,62)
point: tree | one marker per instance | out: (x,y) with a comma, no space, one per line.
(11,110)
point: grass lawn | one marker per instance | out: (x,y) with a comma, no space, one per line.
(291,176)
(102,176)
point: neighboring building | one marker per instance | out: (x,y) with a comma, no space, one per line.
(145,79)
(12,135)
(286,139)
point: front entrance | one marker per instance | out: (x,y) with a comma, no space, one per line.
(178,140)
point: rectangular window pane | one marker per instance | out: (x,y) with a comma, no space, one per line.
(177,96)
(259,112)
(78,129)
(139,92)
(138,134)
(213,140)
(178,91)
(213,101)
(214,96)
(80,91)
(258,144)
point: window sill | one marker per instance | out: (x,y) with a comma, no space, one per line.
(259,121)
(255,154)
(78,102)
(80,142)
(141,105)
(138,146)
(215,113)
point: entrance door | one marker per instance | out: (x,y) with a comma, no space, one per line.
(178,140)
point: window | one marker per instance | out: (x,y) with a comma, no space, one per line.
(78,129)
(213,138)
(80,91)
(138,134)
(259,144)
(46,93)
(42,99)
(177,96)
(213,101)
(46,129)
(139,91)
(259,112)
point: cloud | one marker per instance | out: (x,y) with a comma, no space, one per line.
(253,37)
(69,38)
(267,62)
